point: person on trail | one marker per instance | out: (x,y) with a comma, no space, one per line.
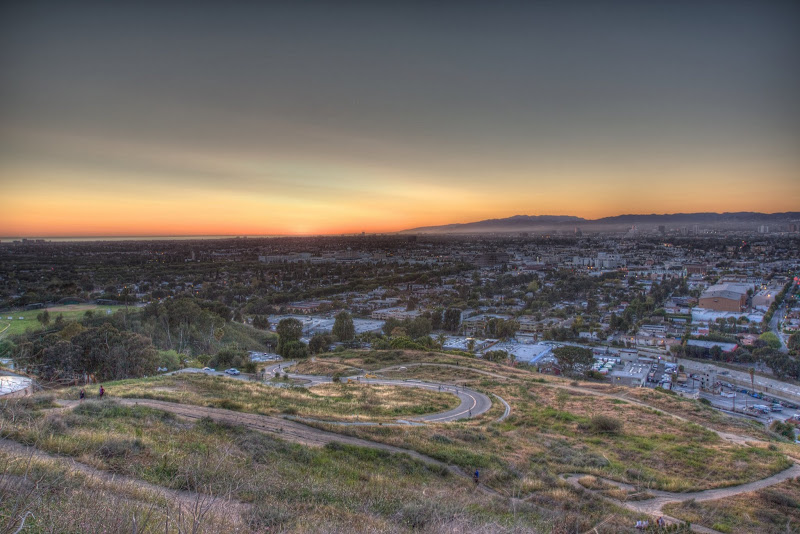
(476,477)
(661,523)
(82,394)
(102,391)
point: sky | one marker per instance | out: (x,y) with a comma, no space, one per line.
(231,118)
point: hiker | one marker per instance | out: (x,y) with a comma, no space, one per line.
(639,525)
(102,391)
(476,477)
(82,394)
(661,523)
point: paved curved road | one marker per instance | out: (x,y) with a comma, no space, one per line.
(473,403)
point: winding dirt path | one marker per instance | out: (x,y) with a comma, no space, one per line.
(192,502)
(286,429)
(653,507)
(734,438)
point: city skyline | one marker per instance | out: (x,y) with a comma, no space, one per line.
(279,120)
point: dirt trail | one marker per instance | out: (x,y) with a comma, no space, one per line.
(188,500)
(653,507)
(286,429)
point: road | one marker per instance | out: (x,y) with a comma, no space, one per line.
(773,325)
(10,383)
(473,403)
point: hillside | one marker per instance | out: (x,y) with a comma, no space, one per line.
(519,223)
(229,455)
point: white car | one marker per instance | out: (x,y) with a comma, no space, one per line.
(208,369)
(233,371)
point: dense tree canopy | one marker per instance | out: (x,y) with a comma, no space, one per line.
(343,328)
(573,359)
(104,351)
(289,330)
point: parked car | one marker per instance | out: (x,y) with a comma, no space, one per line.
(233,371)
(209,369)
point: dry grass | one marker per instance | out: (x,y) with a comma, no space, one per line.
(292,488)
(544,434)
(339,402)
(464,376)
(774,510)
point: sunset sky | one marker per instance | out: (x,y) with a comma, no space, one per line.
(201,118)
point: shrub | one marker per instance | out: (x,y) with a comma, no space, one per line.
(783,429)
(119,448)
(602,424)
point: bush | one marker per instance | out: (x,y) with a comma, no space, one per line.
(119,448)
(783,429)
(169,359)
(602,424)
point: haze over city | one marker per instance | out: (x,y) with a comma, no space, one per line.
(165,119)
(400,267)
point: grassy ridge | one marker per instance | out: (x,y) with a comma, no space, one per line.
(340,402)
(290,486)
(774,510)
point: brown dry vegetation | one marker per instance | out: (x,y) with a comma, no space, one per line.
(544,435)
(461,376)
(551,432)
(774,510)
(336,488)
(339,402)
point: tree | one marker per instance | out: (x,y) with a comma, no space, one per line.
(418,327)
(572,358)
(294,350)
(319,343)
(288,330)
(44,318)
(452,319)
(794,342)
(436,318)
(771,339)
(497,356)
(343,327)
(229,357)
(261,322)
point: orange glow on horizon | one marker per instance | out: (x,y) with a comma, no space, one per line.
(46,202)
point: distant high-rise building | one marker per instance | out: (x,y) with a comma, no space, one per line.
(578,232)
(662,229)
(763,229)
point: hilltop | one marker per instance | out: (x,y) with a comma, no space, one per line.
(519,223)
(230,455)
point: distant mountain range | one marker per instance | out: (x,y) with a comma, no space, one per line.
(521,223)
